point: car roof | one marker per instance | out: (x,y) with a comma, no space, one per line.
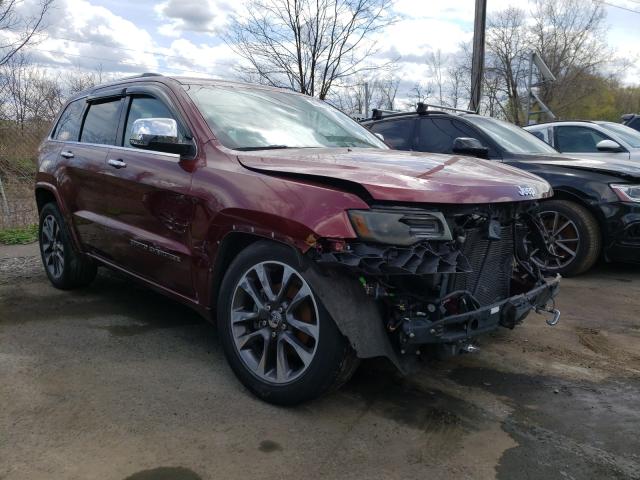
(566,122)
(173,80)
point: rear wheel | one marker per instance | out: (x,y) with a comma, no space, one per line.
(574,238)
(66,268)
(277,336)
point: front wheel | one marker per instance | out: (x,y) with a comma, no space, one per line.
(574,240)
(276,334)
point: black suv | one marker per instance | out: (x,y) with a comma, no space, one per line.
(632,120)
(596,206)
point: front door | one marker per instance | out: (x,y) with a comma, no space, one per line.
(579,141)
(150,204)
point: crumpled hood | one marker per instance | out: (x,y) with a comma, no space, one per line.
(613,165)
(405,176)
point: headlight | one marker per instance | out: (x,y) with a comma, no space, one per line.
(627,192)
(399,227)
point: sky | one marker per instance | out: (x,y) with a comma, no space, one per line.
(184,37)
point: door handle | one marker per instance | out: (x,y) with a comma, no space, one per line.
(66,154)
(116,163)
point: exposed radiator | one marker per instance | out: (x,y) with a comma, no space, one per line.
(491,264)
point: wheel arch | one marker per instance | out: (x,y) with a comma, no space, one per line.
(562,194)
(47,193)
(228,249)
(44,195)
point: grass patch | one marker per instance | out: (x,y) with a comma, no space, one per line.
(19,236)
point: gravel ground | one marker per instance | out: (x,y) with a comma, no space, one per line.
(117,382)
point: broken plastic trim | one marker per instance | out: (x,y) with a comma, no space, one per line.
(419,259)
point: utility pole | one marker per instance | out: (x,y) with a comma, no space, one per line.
(477,63)
(366,99)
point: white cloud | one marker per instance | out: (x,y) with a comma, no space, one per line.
(200,16)
(201,60)
(88,36)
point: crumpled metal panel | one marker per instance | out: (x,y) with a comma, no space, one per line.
(419,259)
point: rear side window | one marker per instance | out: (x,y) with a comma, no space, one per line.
(68,127)
(397,133)
(578,139)
(436,135)
(144,107)
(101,123)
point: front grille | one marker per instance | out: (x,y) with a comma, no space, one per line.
(491,264)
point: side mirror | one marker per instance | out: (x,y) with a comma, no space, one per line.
(159,134)
(609,146)
(380,136)
(470,146)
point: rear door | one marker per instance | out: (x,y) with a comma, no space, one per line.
(399,134)
(84,188)
(150,207)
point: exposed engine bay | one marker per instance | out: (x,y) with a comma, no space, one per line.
(438,295)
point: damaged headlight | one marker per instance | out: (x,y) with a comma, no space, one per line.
(399,227)
(627,192)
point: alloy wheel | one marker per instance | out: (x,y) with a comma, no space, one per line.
(52,246)
(274,322)
(563,241)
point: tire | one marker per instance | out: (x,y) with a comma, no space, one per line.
(581,224)
(284,322)
(65,268)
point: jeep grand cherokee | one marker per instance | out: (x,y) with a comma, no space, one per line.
(309,242)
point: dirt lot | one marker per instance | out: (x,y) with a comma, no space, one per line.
(116,382)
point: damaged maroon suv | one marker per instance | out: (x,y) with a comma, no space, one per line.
(308,241)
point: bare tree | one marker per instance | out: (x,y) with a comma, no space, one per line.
(18,29)
(309,45)
(388,91)
(570,37)
(436,64)
(507,53)
(457,84)
(420,93)
(29,95)
(81,80)
(352,99)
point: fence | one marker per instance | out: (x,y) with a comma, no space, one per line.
(18,160)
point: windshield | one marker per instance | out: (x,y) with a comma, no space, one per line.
(626,134)
(245,118)
(513,139)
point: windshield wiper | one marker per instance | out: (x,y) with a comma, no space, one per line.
(264,147)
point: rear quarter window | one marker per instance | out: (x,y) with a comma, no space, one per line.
(68,127)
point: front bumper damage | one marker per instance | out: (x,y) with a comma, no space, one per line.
(404,302)
(463,327)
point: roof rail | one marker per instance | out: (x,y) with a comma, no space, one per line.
(421,109)
(142,75)
(424,108)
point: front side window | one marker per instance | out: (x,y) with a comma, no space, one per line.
(438,134)
(68,127)
(629,135)
(578,139)
(397,133)
(510,137)
(101,123)
(245,118)
(144,107)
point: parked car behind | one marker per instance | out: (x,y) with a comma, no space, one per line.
(631,120)
(590,139)
(308,241)
(595,209)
